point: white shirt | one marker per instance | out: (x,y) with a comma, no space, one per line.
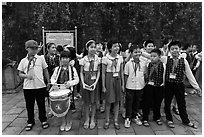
(71,81)
(86,63)
(187,72)
(107,60)
(135,82)
(36,70)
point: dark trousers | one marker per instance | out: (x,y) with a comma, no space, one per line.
(133,99)
(152,99)
(178,90)
(30,96)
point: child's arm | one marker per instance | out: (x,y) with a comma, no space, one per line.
(126,73)
(75,81)
(23,75)
(82,75)
(190,76)
(46,75)
(197,65)
(128,58)
(122,77)
(104,77)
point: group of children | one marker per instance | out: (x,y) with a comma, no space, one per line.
(145,77)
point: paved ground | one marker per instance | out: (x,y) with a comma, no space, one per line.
(14,121)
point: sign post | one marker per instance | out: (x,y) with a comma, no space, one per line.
(60,37)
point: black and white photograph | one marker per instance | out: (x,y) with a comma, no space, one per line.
(101,68)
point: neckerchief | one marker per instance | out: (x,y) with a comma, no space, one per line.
(31,59)
(137,64)
(175,63)
(64,75)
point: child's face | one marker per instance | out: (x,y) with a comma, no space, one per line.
(115,48)
(52,49)
(136,53)
(194,48)
(174,50)
(149,47)
(154,57)
(32,51)
(92,49)
(99,47)
(65,60)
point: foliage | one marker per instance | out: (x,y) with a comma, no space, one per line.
(127,21)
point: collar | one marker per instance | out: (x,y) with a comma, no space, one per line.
(195,52)
(112,58)
(34,56)
(178,56)
(87,59)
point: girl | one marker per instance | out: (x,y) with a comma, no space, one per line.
(89,75)
(66,74)
(113,81)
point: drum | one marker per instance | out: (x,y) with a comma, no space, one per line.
(60,101)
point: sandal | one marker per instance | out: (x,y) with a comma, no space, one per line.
(191,125)
(116,125)
(45,125)
(106,125)
(68,126)
(145,123)
(102,109)
(175,110)
(29,127)
(170,124)
(92,125)
(159,122)
(86,125)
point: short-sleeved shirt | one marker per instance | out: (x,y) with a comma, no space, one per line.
(35,69)
(135,82)
(107,60)
(85,62)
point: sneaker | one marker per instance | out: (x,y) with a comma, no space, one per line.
(127,123)
(170,124)
(137,121)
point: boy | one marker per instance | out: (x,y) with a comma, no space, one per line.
(134,72)
(176,68)
(33,69)
(153,90)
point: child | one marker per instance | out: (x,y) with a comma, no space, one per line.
(153,91)
(113,81)
(90,73)
(33,69)
(99,53)
(66,74)
(134,79)
(176,68)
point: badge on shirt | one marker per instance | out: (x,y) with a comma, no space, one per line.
(93,76)
(151,83)
(172,76)
(115,74)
